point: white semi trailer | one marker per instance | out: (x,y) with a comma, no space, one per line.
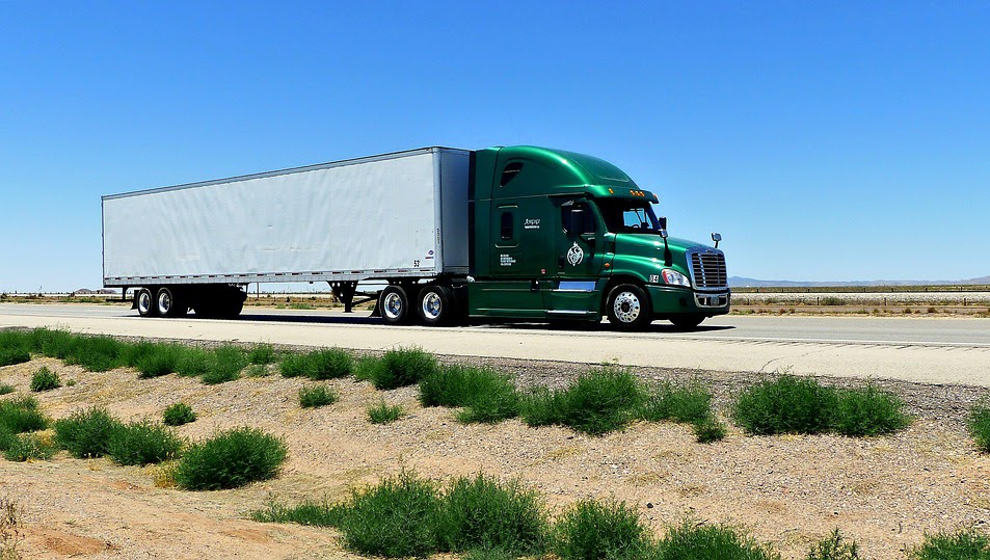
(389,217)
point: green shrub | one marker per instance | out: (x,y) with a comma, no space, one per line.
(193,362)
(488,396)
(599,402)
(480,512)
(86,433)
(540,406)
(329,363)
(786,405)
(263,354)
(11,356)
(686,403)
(25,447)
(178,414)
(131,354)
(230,459)
(142,443)
(226,363)
(95,353)
(257,370)
(365,367)
(692,542)
(402,367)
(396,518)
(6,389)
(868,412)
(294,365)
(317,395)
(315,514)
(967,544)
(708,429)
(834,547)
(51,343)
(382,413)
(979,426)
(15,338)
(21,415)
(45,380)
(218,365)
(594,530)
(489,554)
(158,360)
(7,438)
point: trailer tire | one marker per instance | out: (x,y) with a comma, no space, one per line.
(144,300)
(628,308)
(231,306)
(169,303)
(435,305)
(394,304)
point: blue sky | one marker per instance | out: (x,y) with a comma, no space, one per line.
(826,141)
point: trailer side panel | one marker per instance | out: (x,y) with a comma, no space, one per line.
(360,219)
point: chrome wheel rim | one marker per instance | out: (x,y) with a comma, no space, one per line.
(164,303)
(392,306)
(144,302)
(432,305)
(626,307)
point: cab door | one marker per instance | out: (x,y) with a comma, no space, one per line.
(514,288)
(574,291)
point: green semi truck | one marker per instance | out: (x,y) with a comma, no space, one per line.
(517,233)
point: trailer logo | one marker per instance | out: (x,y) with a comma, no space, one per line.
(575,254)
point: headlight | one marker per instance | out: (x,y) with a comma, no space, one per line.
(675,278)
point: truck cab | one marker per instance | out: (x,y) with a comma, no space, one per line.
(563,236)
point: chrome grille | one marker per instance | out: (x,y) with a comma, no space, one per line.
(709,270)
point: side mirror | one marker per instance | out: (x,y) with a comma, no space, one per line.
(716,237)
(663,226)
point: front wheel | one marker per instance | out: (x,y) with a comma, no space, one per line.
(687,321)
(628,307)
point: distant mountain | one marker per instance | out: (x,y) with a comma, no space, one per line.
(742,282)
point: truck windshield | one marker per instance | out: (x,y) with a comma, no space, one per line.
(628,216)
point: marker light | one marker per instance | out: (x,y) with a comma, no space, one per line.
(675,278)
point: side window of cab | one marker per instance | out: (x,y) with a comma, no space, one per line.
(576,218)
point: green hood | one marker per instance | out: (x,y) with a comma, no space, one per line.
(643,253)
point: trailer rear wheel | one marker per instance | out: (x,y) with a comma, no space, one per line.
(145,303)
(436,306)
(170,304)
(394,303)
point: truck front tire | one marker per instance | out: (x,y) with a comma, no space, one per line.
(394,304)
(687,321)
(628,308)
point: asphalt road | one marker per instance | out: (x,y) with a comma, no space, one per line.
(914,349)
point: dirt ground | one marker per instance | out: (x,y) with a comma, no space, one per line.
(884,492)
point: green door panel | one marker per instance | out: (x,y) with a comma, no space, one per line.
(518,299)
